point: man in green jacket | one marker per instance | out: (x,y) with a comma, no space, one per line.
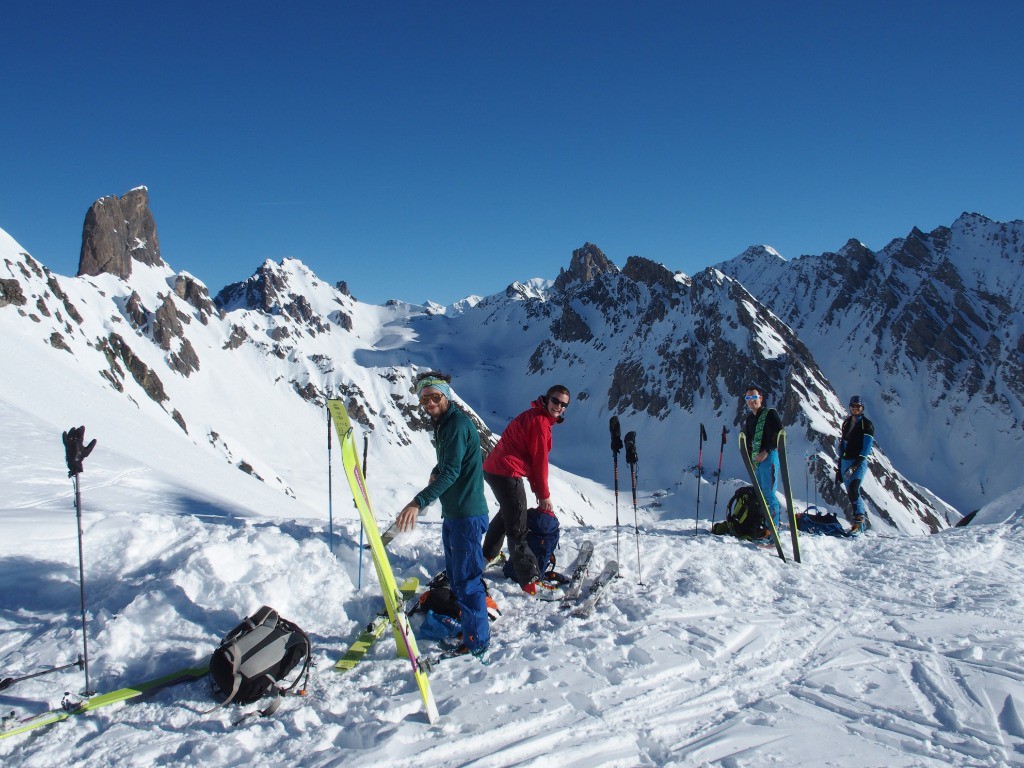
(458,481)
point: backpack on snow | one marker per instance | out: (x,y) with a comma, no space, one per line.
(255,657)
(542,531)
(826,525)
(744,518)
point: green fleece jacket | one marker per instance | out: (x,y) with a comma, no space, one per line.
(459,475)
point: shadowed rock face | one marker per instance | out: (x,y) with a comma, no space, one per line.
(117,231)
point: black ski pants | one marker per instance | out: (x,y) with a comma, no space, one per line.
(510,523)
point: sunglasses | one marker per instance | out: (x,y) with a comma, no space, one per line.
(563,404)
(433,399)
(749,398)
(856,407)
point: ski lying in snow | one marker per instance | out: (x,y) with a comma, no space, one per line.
(597,590)
(787,489)
(748,462)
(13,725)
(575,584)
(373,630)
(445,655)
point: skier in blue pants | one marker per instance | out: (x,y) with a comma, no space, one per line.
(857,436)
(458,481)
(762,428)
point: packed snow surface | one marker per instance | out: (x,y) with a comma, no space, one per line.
(879,651)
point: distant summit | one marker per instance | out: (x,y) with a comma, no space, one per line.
(116,232)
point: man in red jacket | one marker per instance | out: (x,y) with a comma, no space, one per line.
(522,452)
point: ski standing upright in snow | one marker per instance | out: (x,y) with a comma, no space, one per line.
(769,523)
(404,637)
(787,489)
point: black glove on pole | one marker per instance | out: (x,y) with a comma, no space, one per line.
(75,452)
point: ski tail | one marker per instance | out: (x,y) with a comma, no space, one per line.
(749,464)
(14,727)
(597,590)
(372,632)
(579,572)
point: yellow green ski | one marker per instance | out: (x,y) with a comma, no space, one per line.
(13,726)
(393,599)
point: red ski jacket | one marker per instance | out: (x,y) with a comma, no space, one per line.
(523,449)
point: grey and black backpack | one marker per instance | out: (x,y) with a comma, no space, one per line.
(254,658)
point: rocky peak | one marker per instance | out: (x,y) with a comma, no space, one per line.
(586,265)
(117,231)
(264,291)
(650,273)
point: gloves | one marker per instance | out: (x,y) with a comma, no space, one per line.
(74,450)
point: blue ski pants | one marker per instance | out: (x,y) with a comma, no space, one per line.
(768,472)
(853,482)
(464,563)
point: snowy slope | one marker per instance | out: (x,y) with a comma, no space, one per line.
(881,651)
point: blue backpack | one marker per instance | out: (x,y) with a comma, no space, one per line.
(542,538)
(822,525)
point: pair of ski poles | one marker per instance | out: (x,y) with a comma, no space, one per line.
(632,459)
(700,473)
(75,453)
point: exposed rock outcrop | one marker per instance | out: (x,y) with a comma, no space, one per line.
(118,231)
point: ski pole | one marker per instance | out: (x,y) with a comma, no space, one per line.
(613,425)
(714,509)
(700,471)
(807,480)
(359,585)
(7,682)
(330,493)
(75,452)
(632,460)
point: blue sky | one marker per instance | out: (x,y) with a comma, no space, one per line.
(430,150)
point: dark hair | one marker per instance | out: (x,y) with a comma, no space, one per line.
(445,377)
(754,388)
(558,388)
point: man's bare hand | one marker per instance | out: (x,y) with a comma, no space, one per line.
(407,517)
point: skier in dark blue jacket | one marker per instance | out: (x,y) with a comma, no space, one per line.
(855,441)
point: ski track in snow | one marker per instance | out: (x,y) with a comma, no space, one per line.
(894,651)
(743,660)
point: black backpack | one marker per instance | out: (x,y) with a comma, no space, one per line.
(256,655)
(744,518)
(542,534)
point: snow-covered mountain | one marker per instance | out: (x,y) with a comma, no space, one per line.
(209,495)
(665,352)
(930,330)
